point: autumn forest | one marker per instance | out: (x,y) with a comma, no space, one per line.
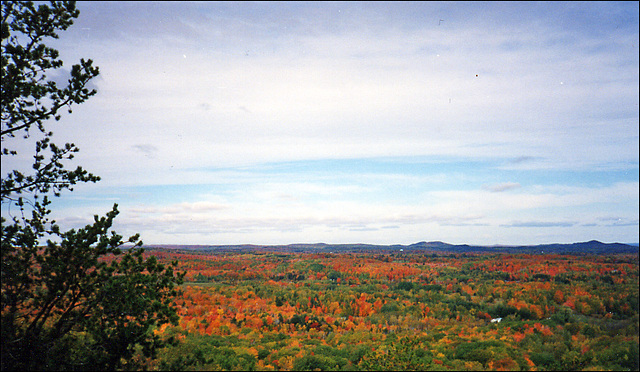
(264,310)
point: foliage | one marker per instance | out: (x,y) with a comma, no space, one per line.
(373,320)
(81,302)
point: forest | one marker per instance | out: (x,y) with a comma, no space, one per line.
(265,310)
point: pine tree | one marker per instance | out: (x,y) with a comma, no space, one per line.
(80,300)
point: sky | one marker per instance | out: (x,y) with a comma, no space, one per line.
(355,122)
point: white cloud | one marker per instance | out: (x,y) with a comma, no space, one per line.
(281,212)
(500,187)
(365,92)
(270,83)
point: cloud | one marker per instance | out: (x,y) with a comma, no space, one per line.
(364,89)
(543,224)
(267,214)
(186,208)
(522,159)
(363,229)
(149,151)
(280,140)
(501,187)
(204,106)
(618,221)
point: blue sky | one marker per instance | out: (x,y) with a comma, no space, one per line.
(277,123)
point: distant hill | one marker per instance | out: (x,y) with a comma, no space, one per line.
(592,247)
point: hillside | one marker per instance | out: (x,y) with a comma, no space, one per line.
(592,247)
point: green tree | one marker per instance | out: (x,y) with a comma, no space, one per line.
(83,302)
(405,354)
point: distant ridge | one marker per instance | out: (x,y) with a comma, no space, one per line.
(592,247)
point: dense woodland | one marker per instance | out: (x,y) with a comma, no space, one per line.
(402,311)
